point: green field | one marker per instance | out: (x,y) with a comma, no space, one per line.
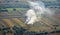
(11,9)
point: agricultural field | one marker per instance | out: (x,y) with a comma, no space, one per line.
(13,21)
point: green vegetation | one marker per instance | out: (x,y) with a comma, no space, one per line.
(14,11)
(17,9)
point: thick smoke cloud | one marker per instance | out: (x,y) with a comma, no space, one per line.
(37,9)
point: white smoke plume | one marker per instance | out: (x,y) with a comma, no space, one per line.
(35,12)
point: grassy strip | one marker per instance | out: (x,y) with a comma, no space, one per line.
(19,22)
(9,22)
(11,9)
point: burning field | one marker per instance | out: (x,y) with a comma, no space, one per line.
(35,20)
